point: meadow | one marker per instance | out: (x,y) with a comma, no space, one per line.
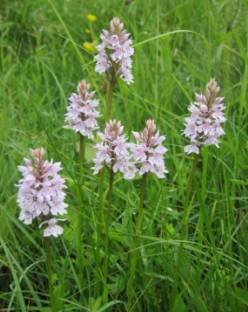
(191,250)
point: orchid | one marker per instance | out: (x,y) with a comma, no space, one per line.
(204,125)
(148,152)
(81,113)
(41,192)
(113,151)
(115,51)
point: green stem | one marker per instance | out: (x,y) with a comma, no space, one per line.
(188,194)
(107,217)
(100,223)
(80,221)
(204,217)
(137,243)
(109,96)
(81,156)
(141,206)
(49,273)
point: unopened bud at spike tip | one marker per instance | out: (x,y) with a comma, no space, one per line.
(212,90)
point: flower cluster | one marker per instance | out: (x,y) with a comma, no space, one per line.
(41,192)
(115,51)
(148,152)
(204,126)
(113,151)
(81,113)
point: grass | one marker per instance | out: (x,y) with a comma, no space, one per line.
(179,45)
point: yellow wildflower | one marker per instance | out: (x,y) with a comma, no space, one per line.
(91,18)
(89,46)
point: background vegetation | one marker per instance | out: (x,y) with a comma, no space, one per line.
(41,59)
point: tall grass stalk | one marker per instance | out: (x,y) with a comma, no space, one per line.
(137,243)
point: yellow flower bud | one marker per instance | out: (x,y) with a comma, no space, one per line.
(91,18)
(89,46)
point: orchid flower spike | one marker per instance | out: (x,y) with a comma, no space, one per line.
(41,192)
(148,152)
(81,113)
(113,151)
(115,51)
(204,125)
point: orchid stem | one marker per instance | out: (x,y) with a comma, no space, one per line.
(81,156)
(80,263)
(101,222)
(188,196)
(49,273)
(107,217)
(109,96)
(137,243)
